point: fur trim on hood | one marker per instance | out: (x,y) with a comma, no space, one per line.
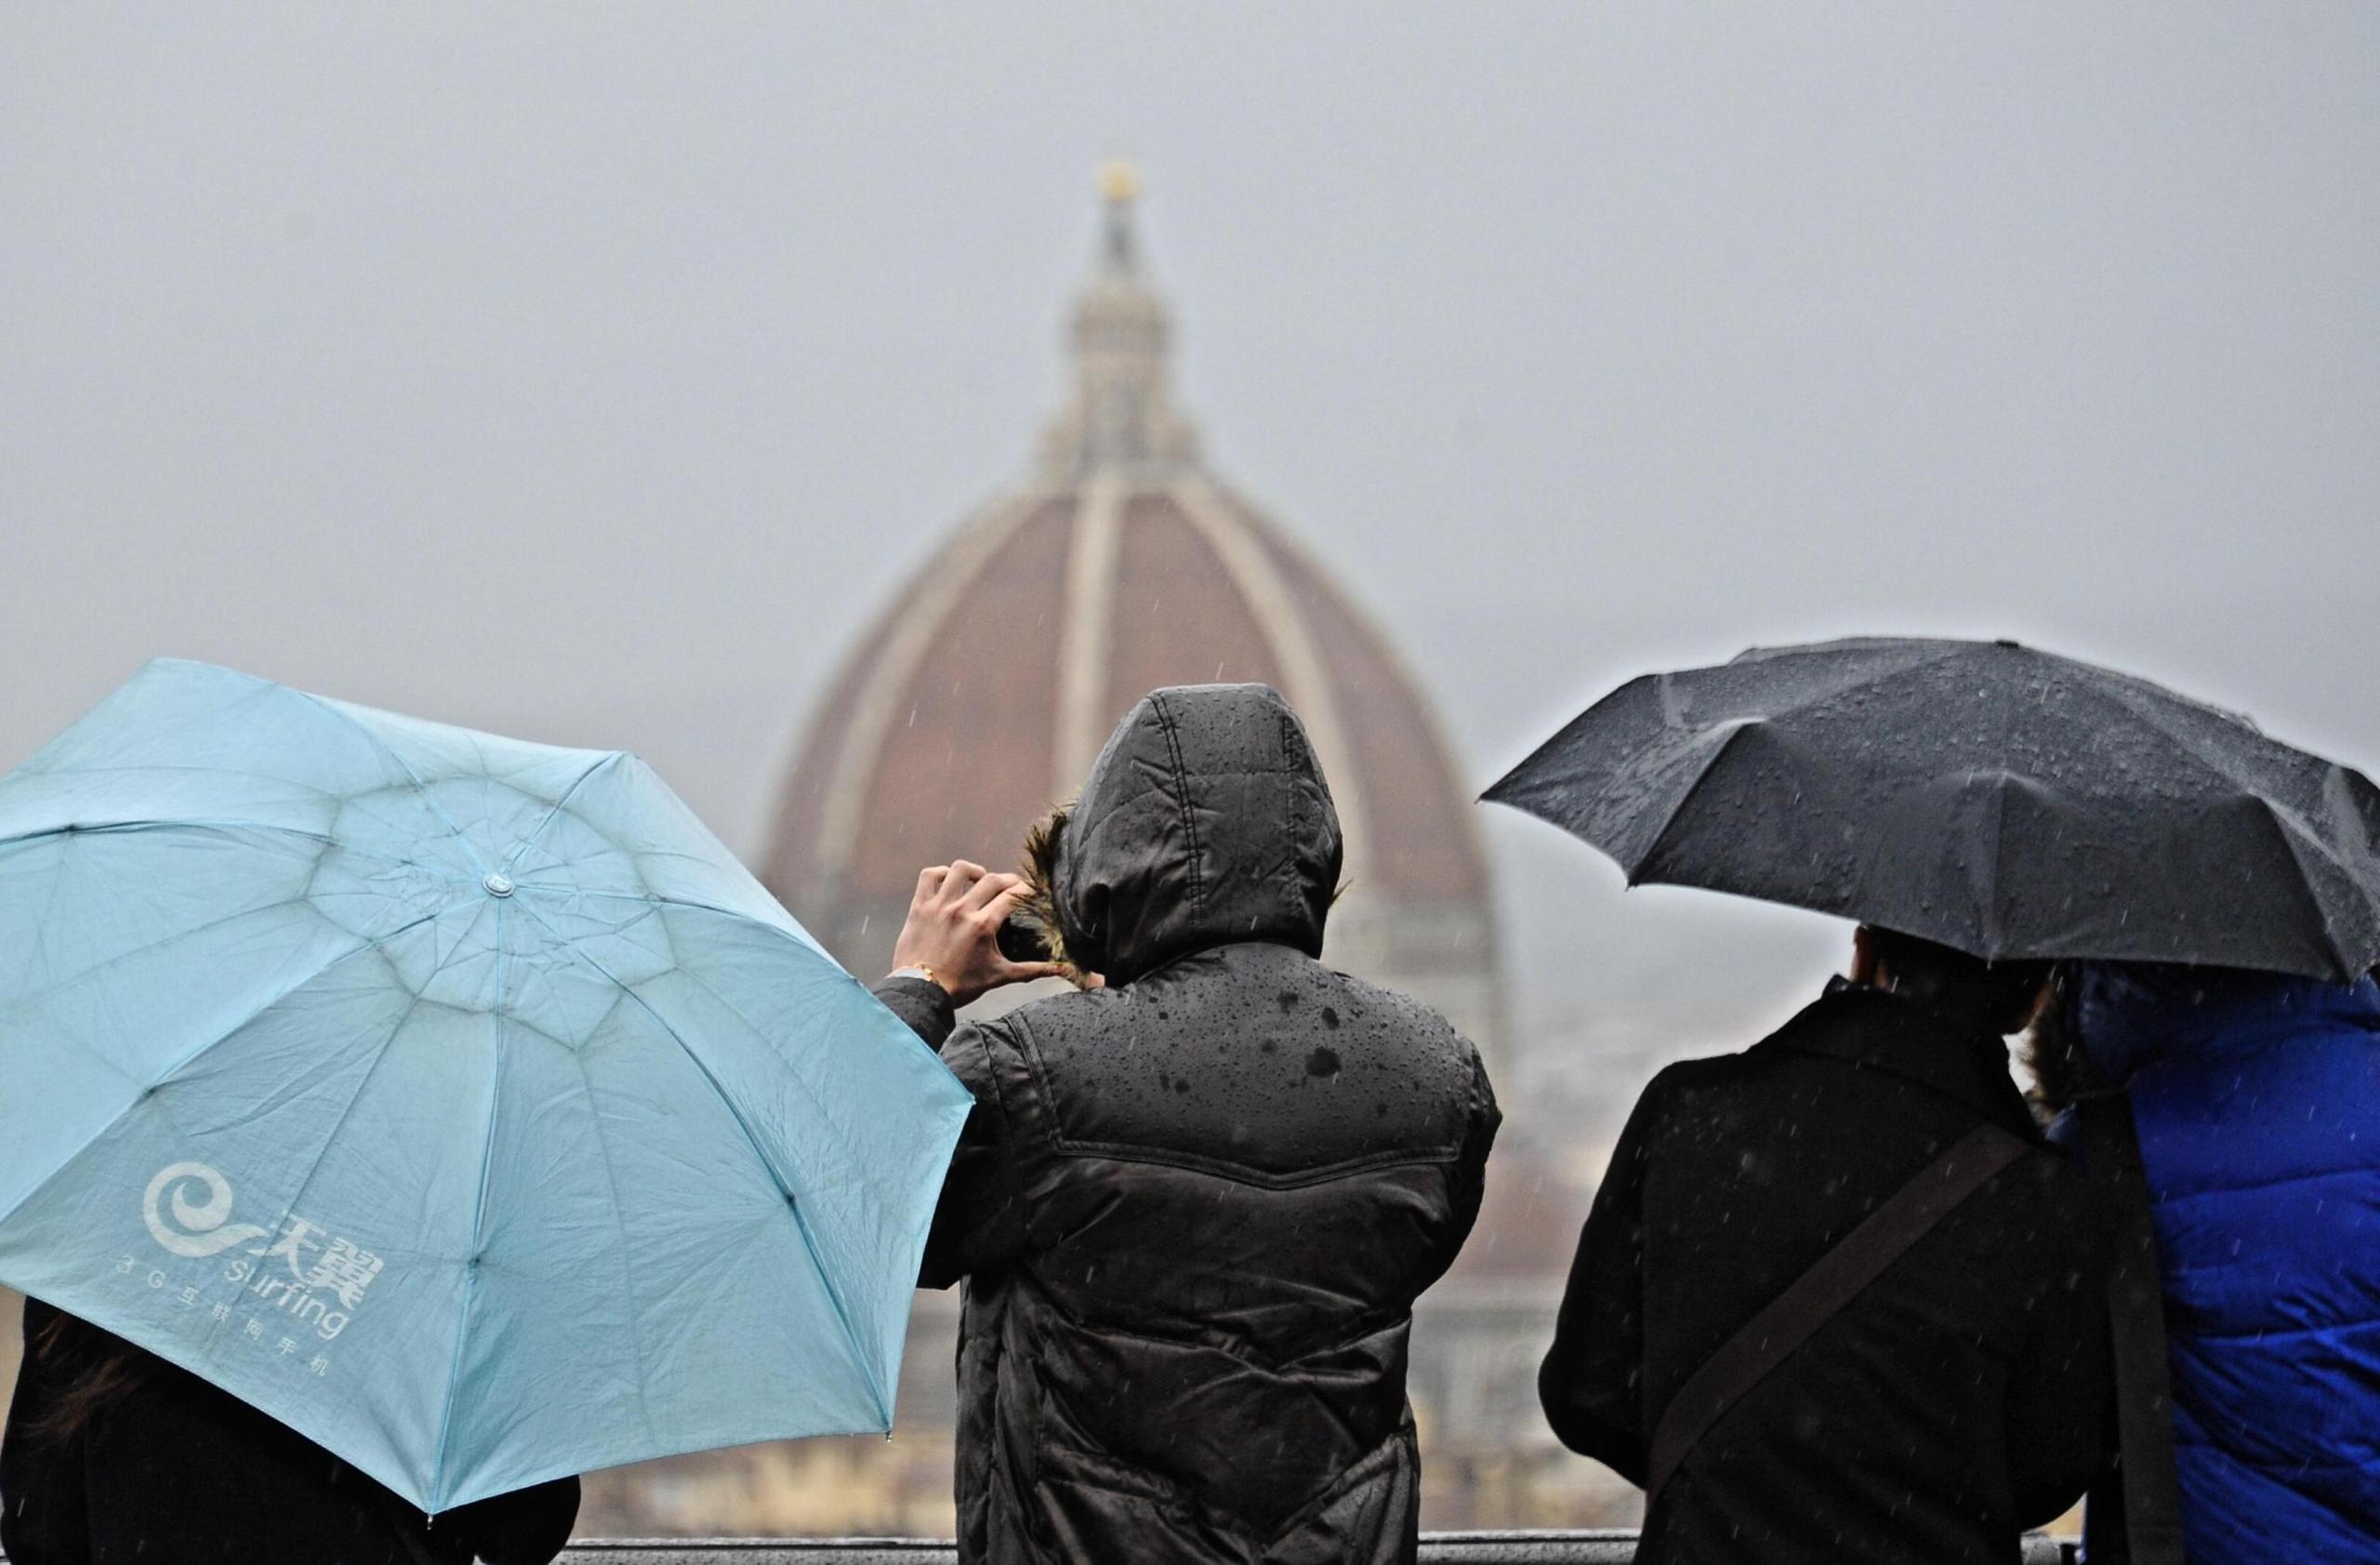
(1038,909)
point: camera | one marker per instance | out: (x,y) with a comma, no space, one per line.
(1020,940)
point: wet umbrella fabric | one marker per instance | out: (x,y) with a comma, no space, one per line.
(460,1102)
(1994,798)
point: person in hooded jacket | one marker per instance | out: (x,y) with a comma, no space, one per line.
(114,1458)
(1193,1207)
(2256,1099)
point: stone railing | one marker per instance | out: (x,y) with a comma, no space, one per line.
(1437,1549)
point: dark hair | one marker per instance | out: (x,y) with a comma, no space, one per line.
(2000,994)
(112,1371)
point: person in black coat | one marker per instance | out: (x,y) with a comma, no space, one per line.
(114,1458)
(1957,1399)
(1193,1208)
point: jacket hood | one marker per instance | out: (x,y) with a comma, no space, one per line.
(2133,1015)
(1205,821)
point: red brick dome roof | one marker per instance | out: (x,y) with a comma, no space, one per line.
(1121,566)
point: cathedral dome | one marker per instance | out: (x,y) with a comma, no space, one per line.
(1120,565)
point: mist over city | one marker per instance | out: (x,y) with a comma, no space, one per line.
(627,379)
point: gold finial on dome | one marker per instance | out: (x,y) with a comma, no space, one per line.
(1120,181)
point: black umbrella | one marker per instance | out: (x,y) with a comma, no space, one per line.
(1982,794)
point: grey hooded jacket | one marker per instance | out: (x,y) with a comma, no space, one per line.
(1194,1209)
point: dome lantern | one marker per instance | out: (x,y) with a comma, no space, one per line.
(1121,416)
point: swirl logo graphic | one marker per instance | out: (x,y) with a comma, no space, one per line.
(196,1230)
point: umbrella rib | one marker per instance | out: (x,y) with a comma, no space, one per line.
(2011,719)
(1736,729)
(2126,696)
(834,1295)
(658,898)
(1901,656)
(419,788)
(107,827)
(783,1184)
(48,918)
(478,1214)
(1989,902)
(809,1245)
(567,794)
(843,1316)
(620,1229)
(379,1058)
(370,943)
(2296,843)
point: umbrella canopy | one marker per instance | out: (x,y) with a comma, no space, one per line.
(459,1102)
(1985,795)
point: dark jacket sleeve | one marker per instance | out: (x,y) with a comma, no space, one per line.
(1591,1384)
(526,1527)
(924,1005)
(979,1223)
(44,1511)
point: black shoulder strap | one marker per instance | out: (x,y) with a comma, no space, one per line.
(2151,1511)
(1819,1293)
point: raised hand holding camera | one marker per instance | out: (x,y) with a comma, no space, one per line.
(952,934)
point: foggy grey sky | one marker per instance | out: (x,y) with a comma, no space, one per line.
(593,373)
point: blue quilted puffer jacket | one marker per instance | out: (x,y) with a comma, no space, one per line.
(2257,1100)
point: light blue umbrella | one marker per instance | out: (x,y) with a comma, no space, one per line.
(459,1102)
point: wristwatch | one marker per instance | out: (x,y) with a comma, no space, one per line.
(920,969)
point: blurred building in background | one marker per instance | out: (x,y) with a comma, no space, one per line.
(978,698)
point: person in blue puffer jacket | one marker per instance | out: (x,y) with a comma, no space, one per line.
(2257,1098)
